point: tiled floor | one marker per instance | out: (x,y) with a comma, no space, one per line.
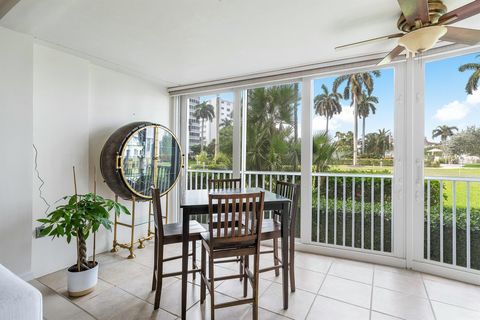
(327,288)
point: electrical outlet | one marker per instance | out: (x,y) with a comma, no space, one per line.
(38,230)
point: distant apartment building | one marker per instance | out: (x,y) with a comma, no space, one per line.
(223,108)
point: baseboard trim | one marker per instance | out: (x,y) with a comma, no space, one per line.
(27,276)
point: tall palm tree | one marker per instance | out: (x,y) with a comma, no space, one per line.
(203,111)
(327,104)
(444,132)
(366,103)
(472,84)
(355,84)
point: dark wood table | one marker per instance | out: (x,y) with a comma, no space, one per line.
(196,202)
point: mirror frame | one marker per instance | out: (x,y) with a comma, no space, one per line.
(122,154)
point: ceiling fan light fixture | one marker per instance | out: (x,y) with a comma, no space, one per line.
(422,39)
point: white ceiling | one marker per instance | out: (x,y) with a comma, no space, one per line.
(179,42)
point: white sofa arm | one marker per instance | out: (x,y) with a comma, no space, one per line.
(18,299)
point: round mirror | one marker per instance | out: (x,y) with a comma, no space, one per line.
(140,155)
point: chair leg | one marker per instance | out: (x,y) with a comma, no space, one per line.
(256,277)
(275,256)
(158,292)
(212,288)
(292,263)
(245,277)
(203,287)
(240,267)
(155,248)
(194,258)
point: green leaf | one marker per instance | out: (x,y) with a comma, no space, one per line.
(46,231)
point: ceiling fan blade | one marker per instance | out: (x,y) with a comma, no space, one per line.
(354,44)
(414,10)
(392,55)
(462,35)
(461,13)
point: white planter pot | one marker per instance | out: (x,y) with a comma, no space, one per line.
(81,283)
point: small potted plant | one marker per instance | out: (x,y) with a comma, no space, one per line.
(81,216)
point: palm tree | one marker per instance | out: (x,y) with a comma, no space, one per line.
(472,84)
(366,103)
(443,132)
(226,122)
(203,111)
(383,138)
(323,150)
(327,104)
(271,125)
(355,84)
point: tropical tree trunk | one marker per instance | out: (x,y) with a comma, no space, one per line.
(201,135)
(82,252)
(326,126)
(355,130)
(363,135)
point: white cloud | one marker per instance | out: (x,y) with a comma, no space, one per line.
(455,110)
(474,99)
(346,116)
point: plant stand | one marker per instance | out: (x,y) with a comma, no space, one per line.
(130,245)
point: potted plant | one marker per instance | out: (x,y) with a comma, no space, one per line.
(81,216)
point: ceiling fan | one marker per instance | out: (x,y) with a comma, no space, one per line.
(424,22)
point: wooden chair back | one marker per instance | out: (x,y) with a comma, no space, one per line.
(221,184)
(292,192)
(244,223)
(157,212)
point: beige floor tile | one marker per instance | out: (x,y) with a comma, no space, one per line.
(56,306)
(403,271)
(361,272)
(401,305)
(304,279)
(381,316)
(455,293)
(118,304)
(234,288)
(313,262)
(326,308)
(448,312)
(242,312)
(172,296)
(298,305)
(120,271)
(347,290)
(55,280)
(401,282)
(139,284)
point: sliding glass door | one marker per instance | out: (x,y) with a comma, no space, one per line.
(451,159)
(353,160)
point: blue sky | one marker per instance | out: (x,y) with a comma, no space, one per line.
(383,117)
(446,101)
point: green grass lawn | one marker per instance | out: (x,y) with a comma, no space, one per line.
(461,187)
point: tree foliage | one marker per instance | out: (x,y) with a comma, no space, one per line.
(466,142)
(473,80)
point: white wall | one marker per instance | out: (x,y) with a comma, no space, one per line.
(77,105)
(16,145)
(60,127)
(116,100)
